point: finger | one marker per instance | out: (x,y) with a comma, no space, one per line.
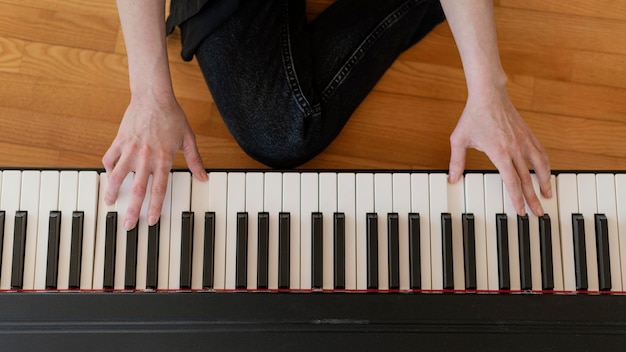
(137,195)
(111,156)
(457,161)
(512,182)
(526,183)
(158,189)
(193,159)
(539,160)
(116,178)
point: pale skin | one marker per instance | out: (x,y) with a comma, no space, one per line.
(154,127)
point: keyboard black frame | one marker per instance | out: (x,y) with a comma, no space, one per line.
(259,321)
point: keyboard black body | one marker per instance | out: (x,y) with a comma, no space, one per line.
(264,321)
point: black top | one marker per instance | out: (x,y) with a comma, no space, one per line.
(197,19)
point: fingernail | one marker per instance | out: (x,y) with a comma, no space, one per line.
(549,194)
(128,225)
(452,176)
(539,210)
(152,220)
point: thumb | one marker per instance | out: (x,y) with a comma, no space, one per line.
(193,159)
(457,162)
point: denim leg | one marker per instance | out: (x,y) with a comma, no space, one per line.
(286,88)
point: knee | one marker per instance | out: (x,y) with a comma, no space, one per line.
(278,150)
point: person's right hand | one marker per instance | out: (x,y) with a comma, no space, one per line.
(153,130)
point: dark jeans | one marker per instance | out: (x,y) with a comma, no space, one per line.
(285,88)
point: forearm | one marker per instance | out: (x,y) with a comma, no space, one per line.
(144,35)
(473,27)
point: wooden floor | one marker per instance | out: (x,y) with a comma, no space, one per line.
(63,89)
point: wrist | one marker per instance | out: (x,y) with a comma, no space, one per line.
(489,84)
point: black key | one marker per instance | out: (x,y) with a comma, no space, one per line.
(186,249)
(263,250)
(110,240)
(372,250)
(446,247)
(545,246)
(317,264)
(523,231)
(152,272)
(284,224)
(241,278)
(76,248)
(602,246)
(339,225)
(393,233)
(209,250)
(52,262)
(19,249)
(414,251)
(580,254)
(130,274)
(2,215)
(502,228)
(469,251)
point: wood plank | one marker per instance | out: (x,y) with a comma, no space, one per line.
(83,7)
(599,69)
(580,100)
(58,27)
(561,31)
(609,9)
(10,55)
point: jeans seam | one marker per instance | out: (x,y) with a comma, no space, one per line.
(288,64)
(356,56)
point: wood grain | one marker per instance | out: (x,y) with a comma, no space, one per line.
(64,89)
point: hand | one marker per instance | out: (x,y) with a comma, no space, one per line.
(151,133)
(490,123)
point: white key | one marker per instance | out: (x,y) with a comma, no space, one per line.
(48,201)
(364,205)
(383,205)
(587,206)
(309,203)
(550,207)
(402,206)
(346,203)
(535,245)
(493,205)
(291,204)
(10,203)
(88,203)
(103,209)
(142,241)
(475,204)
(218,195)
(438,205)
(567,194)
(254,205)
(605,184)
(181,202)
(199,206)
(68,198)
(29,201)
(420,204)
(165,221)
(236,203)
(328,207)
(273,206)
(456,208)
(514,268)
(121,205)
(620,195)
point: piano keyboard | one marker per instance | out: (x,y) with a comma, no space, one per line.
(312,231)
